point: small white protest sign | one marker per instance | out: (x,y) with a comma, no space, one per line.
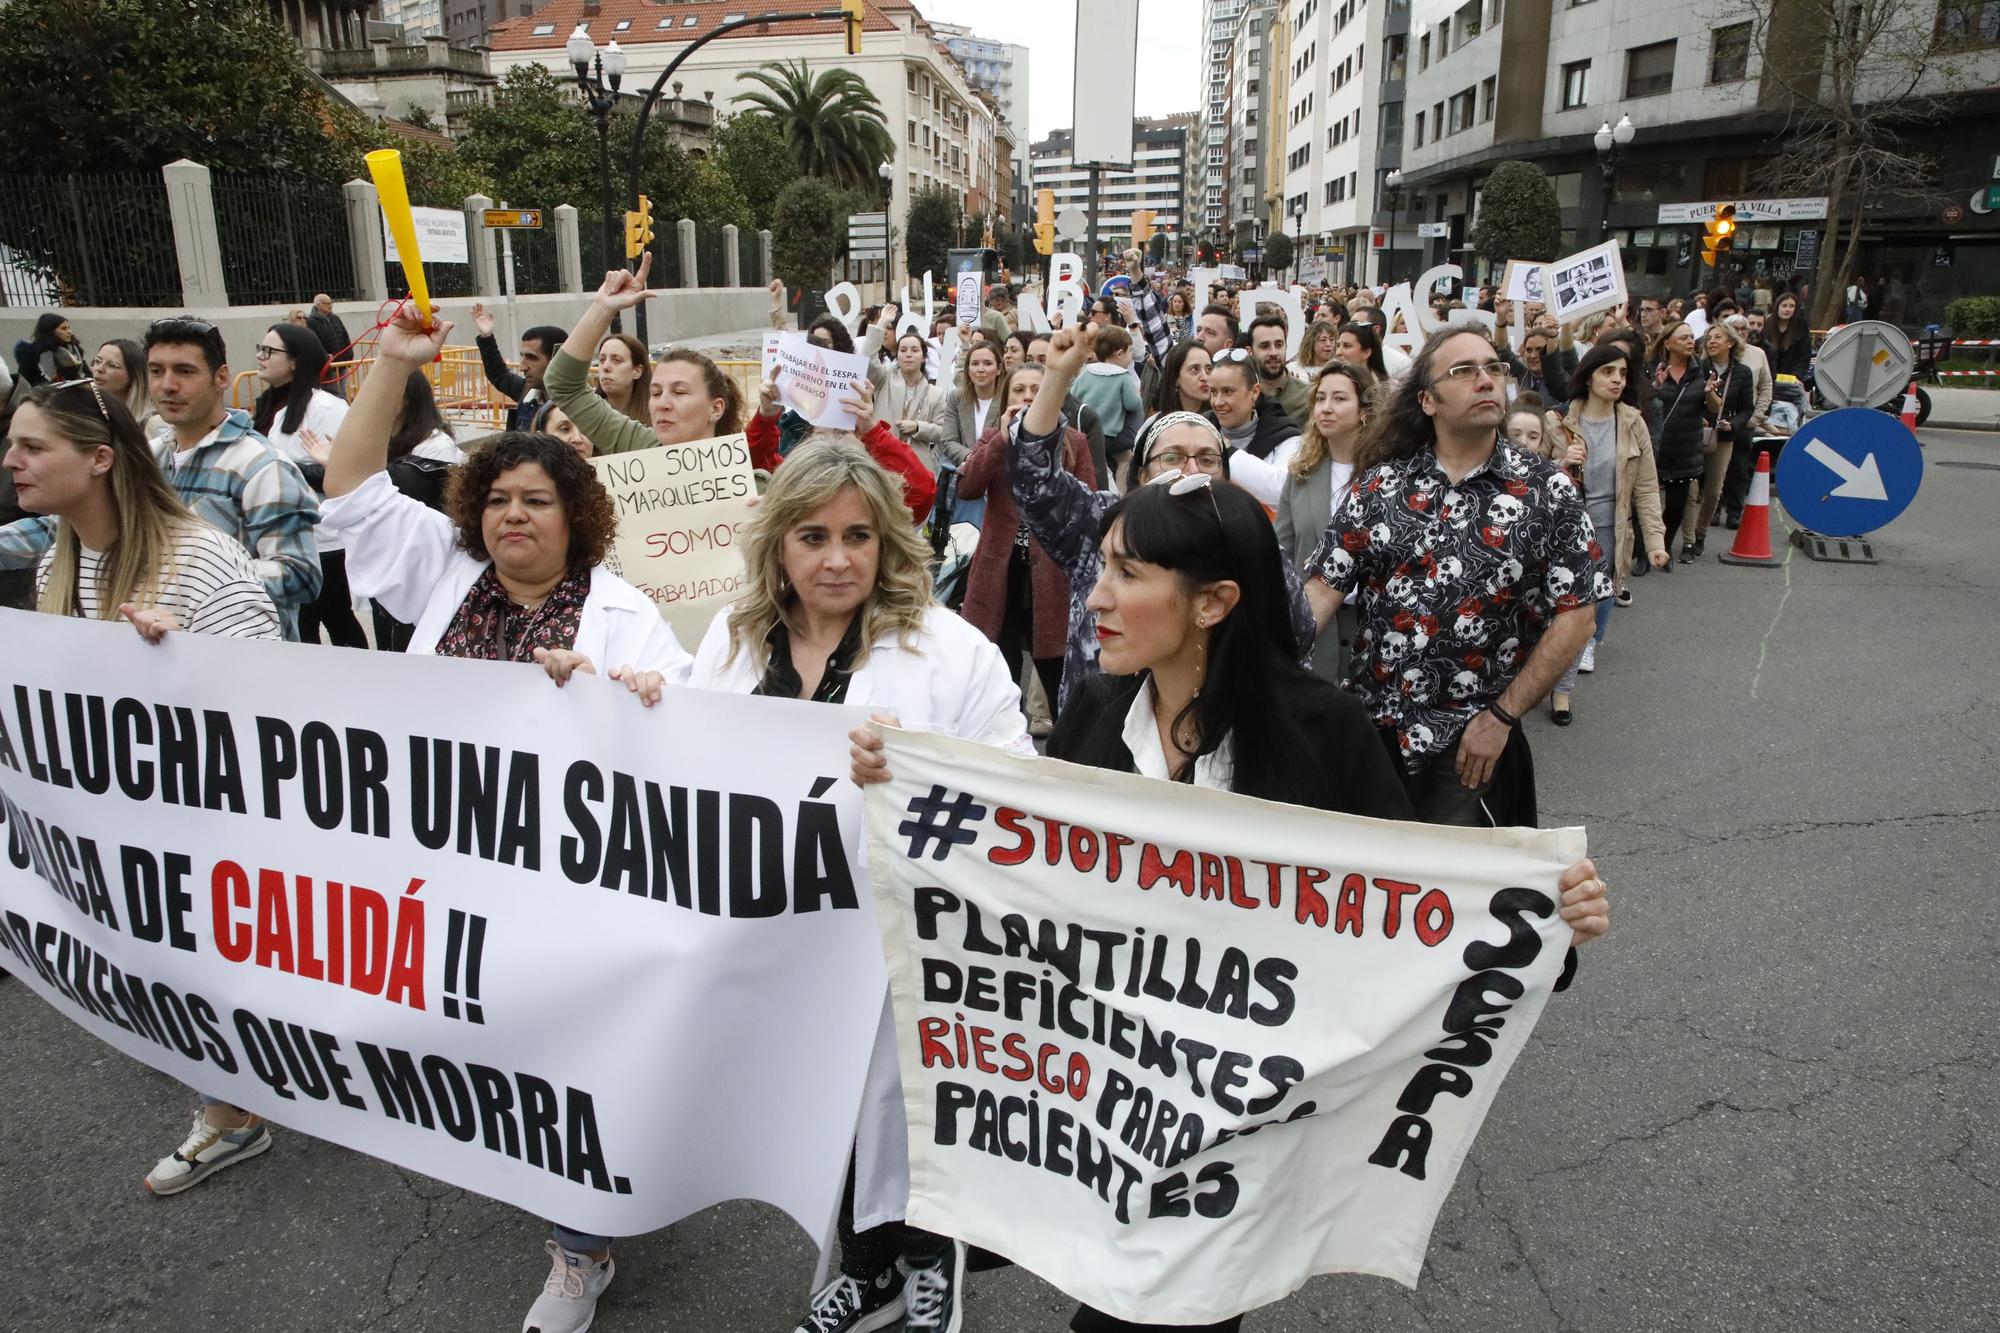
(968,299)
(1586,282)
(812,380)
(440,236)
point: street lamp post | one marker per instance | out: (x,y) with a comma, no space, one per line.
(598,74)
(887,171)
(1609,141)
(1298,229)
(646,104)
(1394,182)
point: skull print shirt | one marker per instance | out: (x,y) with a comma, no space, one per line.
(1457,581)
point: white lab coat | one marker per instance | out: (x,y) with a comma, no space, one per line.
(953,682)
(406,556)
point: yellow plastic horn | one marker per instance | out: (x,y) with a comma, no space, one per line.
(386,166)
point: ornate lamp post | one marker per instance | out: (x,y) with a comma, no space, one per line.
(598,74)
(1609,140)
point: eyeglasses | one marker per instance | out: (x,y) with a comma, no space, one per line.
(264,353)
(187,324)
(1230,354)
(1466,371)
(100,362)
(1190,484)
(1208,460)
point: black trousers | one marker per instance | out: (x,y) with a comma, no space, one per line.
(863,1254)
(1087,1320)
(1673,508)
(1017,627)
(333,609)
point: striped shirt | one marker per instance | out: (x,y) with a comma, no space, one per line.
(208,584)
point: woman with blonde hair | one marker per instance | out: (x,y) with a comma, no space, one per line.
(838,609)
(125,544)
(120,367)
(1315,349)
(1317,474)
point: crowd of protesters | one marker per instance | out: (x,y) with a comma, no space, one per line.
(1210,543)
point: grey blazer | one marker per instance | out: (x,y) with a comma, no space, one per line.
(1305,510)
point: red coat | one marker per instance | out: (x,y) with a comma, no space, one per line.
(985,473)
(883,445)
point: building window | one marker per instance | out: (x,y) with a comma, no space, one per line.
(1468,20)
(1423,49)
(1576,84)
(1729,54)
(1969,23)
(1488,92)
(1420,130)
(1461,111)
(1649,70)
(1734,177)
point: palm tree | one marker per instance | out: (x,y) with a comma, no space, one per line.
(833,124)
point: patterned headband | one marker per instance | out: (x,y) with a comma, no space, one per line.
(1165,421)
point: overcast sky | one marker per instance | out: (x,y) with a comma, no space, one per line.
(1169,51)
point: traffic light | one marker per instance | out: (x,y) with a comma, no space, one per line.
(639,229)
(1045,222)
(1718,234)
(855,12)
(1142,227)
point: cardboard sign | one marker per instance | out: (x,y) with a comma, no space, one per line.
(1586,282)
(969,299)
(680,508)
(1525,280)
(812,380)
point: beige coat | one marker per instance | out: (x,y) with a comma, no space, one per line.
(1638,480)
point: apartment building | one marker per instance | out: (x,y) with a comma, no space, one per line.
(944,129)
(1490,80)
(1218,28)
(997,68)
(1248,127)
(1331,123)
(1160,151)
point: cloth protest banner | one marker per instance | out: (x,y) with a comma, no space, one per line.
(680,510)
(1176,1050)
(813,379)
(1585,282)
(612,965)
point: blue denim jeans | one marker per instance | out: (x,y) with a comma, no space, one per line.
(578,1242)
(1568,681)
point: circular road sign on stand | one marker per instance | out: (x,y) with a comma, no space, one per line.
(1849,472)
(1863,364)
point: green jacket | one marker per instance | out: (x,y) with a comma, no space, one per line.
(1293,396)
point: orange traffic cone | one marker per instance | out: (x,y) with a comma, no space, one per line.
(1753,534)
(1910,407)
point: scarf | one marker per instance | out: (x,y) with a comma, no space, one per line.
(488,626)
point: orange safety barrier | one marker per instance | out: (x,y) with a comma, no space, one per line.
(458,379)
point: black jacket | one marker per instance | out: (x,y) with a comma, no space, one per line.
(1552,384)
(1794,358)
(1340,758)
(510,382)
(1273,427)
(1738,392)
(1677,424)
(332,334)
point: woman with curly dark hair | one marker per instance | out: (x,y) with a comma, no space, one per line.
(512,569)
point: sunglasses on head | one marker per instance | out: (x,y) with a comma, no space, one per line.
(1231,354)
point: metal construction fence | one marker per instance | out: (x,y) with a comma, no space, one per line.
(87,241)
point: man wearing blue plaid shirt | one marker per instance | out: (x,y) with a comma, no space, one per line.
(220,467)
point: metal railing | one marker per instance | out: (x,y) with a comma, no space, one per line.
(283,239)
(87,241)
(708,254)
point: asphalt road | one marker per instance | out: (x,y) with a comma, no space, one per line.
(1767,1105)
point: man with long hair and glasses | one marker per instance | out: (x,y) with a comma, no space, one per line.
(1479,574)
(220,467)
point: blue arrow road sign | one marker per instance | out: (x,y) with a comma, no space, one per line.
(1850,472)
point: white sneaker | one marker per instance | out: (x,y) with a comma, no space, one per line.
(569,1298)
(1588,662)
(206,1150)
